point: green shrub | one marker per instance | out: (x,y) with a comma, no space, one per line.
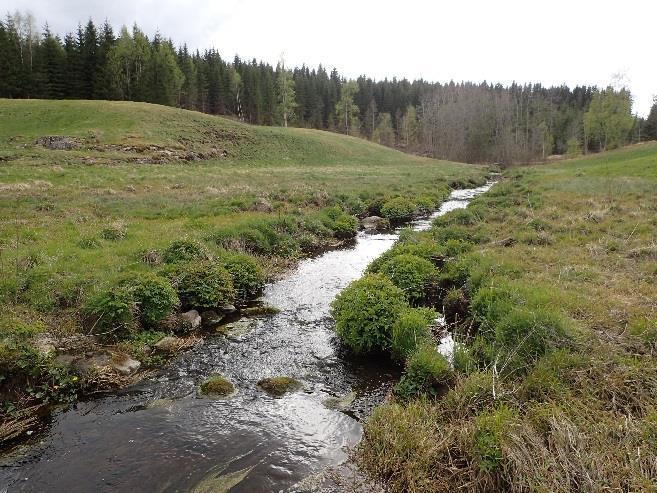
(185,250)
(425,204)
(365,312)
(112,311)
(411,330)
(529,333)
(427,373)
(463,360)
(204,285)
(248,277)
(398,209)
(345,227)
(88,242)
(154,296)
(114,232)
(412,274)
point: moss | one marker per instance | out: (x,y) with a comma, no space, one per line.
(279,386)
(217,385)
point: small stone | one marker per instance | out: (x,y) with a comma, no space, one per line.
(228,308)
(340,403)
(210,318)
(169,344)
(126,365)
(217,386)
(192,318)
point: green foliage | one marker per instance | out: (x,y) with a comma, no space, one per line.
(491,427)
(414,275)
(365,312)
(247,275)
(112,311)
(427,373)
(204,285)
(411,330)
(185,250)
(398,209)
(609,118)
(155,297)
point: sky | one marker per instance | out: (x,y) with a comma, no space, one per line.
(552,42)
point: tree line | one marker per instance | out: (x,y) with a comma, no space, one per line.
(460,121)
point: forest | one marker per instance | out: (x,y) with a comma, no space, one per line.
(462,121)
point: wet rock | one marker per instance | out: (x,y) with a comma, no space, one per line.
(260,310)
(506,242)
(228,308)
(64,359)
(126,365)
(56,142)
(375,223)
(210,318)
(169,344)
(235,330)
(192,318)
(216,386)
(91,361)
(279,386)
(340,403)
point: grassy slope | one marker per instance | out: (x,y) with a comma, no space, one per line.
(583,416)
(51,199)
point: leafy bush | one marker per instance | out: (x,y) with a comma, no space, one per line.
(529,333)
(345,227)
(412,274)
(154,296)
(112,311)
(398,209)
(427,372)
(248,277)
(114,232)
(204,285)
(185,250)
(411,330)
(425,204)
(365,312)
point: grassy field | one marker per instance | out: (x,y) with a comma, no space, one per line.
(135,177)
(553,298)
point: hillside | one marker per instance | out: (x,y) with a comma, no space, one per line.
(108,124)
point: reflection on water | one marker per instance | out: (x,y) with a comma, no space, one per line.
(160,435)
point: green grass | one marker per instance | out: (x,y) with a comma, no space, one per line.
(74,222)
(556,385)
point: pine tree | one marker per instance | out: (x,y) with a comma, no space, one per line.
(650,128)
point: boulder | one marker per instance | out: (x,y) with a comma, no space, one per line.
(192,319)
(126,365)
(169,344)
(261,205)
(227,308)
(375,223)
(56,142)
(210,318)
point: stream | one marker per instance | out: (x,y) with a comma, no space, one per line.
(160,435)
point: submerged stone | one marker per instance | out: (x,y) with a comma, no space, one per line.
(340,403)
(279,386)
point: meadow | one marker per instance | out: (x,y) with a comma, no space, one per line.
(104,203)
(549,287)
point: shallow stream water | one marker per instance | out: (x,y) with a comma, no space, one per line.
(160,436)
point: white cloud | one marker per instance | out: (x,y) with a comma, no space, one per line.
(561,41)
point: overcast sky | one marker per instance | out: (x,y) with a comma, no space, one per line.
(552,42)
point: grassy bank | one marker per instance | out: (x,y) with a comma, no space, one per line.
(551,296)
(89,223)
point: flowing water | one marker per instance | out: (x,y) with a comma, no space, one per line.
(159,435)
